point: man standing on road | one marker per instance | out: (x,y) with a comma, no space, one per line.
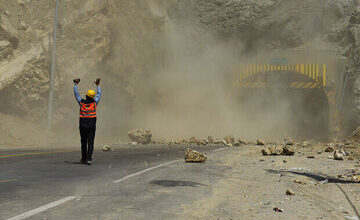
(87,122)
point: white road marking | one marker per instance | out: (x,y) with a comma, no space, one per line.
(220,149)
(33,212)
(144,171)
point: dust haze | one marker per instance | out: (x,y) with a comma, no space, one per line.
(169,66)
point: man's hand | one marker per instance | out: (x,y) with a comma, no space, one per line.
(97,81)
(76,81)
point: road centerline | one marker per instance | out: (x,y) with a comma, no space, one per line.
(43,208)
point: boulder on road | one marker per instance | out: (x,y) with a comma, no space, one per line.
(139,135)
(106,148)
(192,156)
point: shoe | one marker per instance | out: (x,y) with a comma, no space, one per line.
(88,162)
(83,161)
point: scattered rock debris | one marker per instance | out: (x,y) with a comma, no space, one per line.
(140,135)
(192,156)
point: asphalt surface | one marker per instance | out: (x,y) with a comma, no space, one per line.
(149,182)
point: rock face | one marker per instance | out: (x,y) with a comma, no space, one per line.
(140,135)
(192,156)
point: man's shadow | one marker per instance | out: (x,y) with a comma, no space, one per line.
(71,162)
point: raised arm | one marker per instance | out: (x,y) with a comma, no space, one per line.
(76,93)
(98,95)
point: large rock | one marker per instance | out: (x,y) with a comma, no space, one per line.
(275,151)
(192,156)
(140,135)
(229,139)
(194,140)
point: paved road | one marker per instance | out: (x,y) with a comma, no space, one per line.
(127,183)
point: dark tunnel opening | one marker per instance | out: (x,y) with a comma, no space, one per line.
(277,111)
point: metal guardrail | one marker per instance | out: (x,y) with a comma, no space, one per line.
(315,74)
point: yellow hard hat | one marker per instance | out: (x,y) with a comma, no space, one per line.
(90,93)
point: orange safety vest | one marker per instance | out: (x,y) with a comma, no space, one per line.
(88,110)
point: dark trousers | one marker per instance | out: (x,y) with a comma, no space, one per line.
(87,134)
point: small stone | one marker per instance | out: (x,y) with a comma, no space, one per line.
(300,182)
(284,161)
(311,156)
(106,148)
(229,145)
(351,158)
(266,152)
(329,149)
(288,151)
(288,141)
(224,142)
(339,155)
(319,152)
(290,193)
(23,26)
(192,156)
(134,143)
(260,142)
